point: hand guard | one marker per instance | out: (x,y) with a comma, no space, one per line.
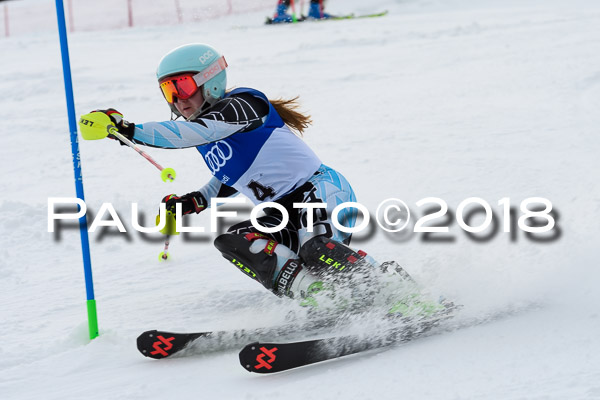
(125,128)
(191,202)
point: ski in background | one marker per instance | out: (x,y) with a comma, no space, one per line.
(302,18)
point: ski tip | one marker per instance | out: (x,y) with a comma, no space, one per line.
(247,356)
(145,342)
(260,358)
(162,344)
(159,344)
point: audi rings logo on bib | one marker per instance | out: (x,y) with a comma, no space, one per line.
(217,156)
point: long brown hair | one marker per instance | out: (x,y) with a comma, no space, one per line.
(289,113)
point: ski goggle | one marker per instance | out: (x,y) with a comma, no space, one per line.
(185,85)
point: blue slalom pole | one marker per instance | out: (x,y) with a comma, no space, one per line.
(85,243)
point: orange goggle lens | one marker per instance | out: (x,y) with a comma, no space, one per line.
(183,87)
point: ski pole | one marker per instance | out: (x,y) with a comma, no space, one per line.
(164,255)
(166,174)
(97,125)
(169,230)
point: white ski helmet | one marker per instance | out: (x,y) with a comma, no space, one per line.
(200,58)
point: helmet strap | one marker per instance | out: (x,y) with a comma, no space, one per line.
(203,107)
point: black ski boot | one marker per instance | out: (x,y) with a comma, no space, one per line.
(284,276)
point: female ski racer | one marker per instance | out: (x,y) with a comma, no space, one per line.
(252,146)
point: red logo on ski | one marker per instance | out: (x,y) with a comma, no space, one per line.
(162,341)
(261,358)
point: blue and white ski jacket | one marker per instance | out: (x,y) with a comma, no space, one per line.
(264,163)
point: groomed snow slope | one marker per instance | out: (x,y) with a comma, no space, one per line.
(451,99)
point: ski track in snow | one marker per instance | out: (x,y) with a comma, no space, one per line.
(451,99)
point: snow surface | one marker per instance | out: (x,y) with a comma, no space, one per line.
(450,98)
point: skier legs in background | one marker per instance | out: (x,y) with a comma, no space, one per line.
(315,11)
(281,14)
